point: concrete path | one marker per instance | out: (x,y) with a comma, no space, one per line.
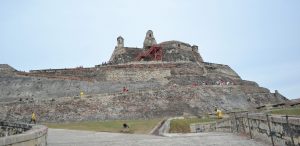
(60,137)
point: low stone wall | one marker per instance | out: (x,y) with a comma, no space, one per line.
(15,134)
(7,129)
(276,130)
(203,127)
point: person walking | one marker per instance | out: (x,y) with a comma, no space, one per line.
(33,118)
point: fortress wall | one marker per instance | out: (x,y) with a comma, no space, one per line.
(70,82)
(187,69)
(26,88)
(14,88)
(112,78)
(182,50)
(125,54)
(117,51)
(102,79)
(172,54)
(140,75)
(220,69)
(179,46)
(137,72)
(103,72)
(172,101)
(176,44)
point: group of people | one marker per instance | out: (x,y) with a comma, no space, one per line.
(108,63)
(222,82)
(125,90)
(219,82)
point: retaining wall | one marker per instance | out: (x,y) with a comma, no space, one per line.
(275,130)
(23,134)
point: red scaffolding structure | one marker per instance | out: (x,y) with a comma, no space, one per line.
(154,53)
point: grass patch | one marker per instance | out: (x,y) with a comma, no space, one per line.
(135,126)
(287,111)
(183,125)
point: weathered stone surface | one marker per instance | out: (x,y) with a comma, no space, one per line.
(173,101)
(5,70)
(180,83)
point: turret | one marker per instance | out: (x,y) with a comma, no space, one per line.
(149,40)
(195,48)
(120,42)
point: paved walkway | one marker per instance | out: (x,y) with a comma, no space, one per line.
(59,137)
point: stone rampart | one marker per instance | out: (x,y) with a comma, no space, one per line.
(174,43)
(218,69)
(112,72)
(153,102)
(14,134)
(124,55)
(141,75)
(43,84)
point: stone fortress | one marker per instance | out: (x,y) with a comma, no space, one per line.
(172,51)
(161,80)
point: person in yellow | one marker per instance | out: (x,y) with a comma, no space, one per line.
(81,93)
(219,113)
(33,118)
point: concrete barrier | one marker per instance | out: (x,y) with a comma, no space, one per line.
(27,135)
(164,129)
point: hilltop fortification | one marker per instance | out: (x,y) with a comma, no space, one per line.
(157,80)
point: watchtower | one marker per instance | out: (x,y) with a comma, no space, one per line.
(149,40)
(120,42)
(195,48)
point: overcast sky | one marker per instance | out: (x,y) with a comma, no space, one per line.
(259,39)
